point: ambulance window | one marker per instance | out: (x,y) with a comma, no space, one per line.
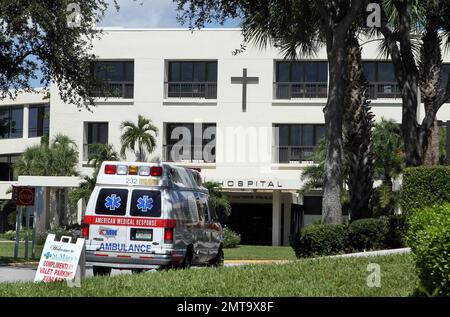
(146,203)
(112,202)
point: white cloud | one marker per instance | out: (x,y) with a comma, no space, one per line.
(147,14)
(142,14)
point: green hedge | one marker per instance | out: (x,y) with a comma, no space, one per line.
(424,187)
(230,238)
(429,239)
(361,235)
(368,234)
(320,240)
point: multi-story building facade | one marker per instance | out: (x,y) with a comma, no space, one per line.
(249,121)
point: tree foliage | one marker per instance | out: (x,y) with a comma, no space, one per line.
(139,138)
(218,201)
(35,35)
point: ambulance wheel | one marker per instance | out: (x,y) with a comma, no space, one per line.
(101,271)
(187,262)
(219,259)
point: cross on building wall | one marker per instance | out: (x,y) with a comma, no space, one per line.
(244,80)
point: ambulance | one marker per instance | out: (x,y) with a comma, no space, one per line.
(144,216)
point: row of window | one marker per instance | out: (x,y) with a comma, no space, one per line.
(198,79)
(196,142)
(11,121)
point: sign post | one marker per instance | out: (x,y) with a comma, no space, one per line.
(18,225)
(34,238)
(23,196)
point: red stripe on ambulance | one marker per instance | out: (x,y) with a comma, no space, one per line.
(130,222)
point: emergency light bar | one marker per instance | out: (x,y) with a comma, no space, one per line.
(111,169)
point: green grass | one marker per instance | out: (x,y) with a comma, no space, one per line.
(7,252)
(321,277)
(246,252)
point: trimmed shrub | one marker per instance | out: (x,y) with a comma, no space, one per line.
(230,238)
(429,239)
(368,234)
(320,240)
(424,187)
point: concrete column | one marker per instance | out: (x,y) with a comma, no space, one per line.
(287,218)
(276,218)
(26,122)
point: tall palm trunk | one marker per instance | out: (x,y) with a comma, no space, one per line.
(430,86)
(337,58)
(358,122)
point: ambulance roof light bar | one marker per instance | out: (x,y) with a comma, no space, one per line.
(155,171)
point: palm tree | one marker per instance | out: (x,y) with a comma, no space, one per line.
(298,27)
(59,158)
(140,138)
(100,153)
(358,122)
(402,21)
(388,151)
(218,201)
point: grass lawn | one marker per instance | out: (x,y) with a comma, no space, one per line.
(246,252)
(7,251)
(322,277)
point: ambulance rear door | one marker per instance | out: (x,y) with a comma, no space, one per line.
(105,230)
(147,228)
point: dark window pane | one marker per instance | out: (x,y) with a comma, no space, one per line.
(444,75)
(146,203)
(212,72)
(16,123)
(386,72)
(187,71)
(4,122)
(308,135)
(38,121)
(283,132)
(283,72)
(97,133)
(297,75)
(296,135)
(200,72)
(322,75)
(370,71)
(320,133)
(112,202)
(129,71)
(311,72)
(174,71)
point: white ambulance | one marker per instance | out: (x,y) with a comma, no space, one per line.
(143,216)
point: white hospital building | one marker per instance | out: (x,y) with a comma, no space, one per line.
(191,83)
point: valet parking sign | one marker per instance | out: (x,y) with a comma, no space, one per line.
(59,260)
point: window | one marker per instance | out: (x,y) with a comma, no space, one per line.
(112,202)
(146,203)
(296,142)
(189,142)
(94,133)
(38,117)
(382,81)
(444,75)
(117,76)
(7,173)
(192,80)
(301,80)
(11,122)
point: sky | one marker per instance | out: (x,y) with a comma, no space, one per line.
(143,14)
(147,13)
